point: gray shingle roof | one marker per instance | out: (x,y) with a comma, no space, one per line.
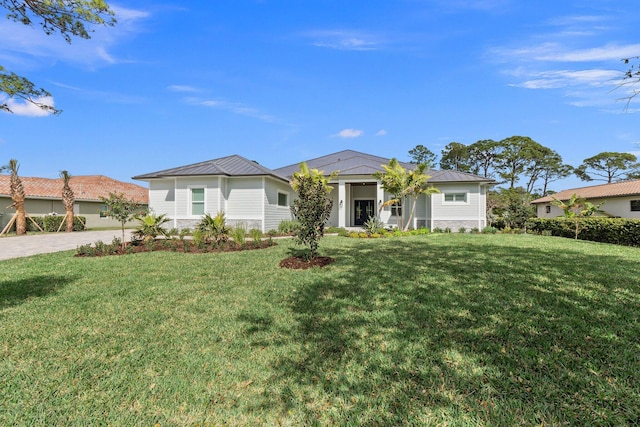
(228,166)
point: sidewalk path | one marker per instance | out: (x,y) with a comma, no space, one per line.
(33,244)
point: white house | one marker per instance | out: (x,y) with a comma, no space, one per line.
(620,199)
(261,198)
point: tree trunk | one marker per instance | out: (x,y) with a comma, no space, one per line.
(69,220)
(21,219)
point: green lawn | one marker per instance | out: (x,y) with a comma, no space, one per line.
(441,329)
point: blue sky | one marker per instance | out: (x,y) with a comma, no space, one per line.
(283,81)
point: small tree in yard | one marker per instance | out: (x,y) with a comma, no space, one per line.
(576,208)
(121,209)
(312,207)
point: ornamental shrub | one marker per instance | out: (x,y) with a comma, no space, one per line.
(51,223)
(618,231)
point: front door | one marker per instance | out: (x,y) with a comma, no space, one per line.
(363,211)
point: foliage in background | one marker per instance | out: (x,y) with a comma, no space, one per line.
(609,167)
(312,206)
(52,223)
(422,155)
(617,231)
(509,207)
(69,18)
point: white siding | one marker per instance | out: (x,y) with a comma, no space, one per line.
(616,207)
(183,196)
(162,197)
(244,198)
(456,210)
(470,213)
(275,214)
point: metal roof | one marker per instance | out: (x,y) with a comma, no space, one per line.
(228,166)
(349,162)
(346,163)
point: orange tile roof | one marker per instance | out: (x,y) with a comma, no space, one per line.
(87,187)
(617,189)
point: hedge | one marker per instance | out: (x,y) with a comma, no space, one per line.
(618,231)
(52,223)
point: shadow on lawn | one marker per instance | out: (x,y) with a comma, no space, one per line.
(14,292)
(505,335)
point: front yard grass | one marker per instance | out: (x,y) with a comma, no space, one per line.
(443,329)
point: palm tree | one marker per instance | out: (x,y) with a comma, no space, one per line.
(68,199)
(18,196)
(576,207)
(416,186)
(404,184)
(394,181)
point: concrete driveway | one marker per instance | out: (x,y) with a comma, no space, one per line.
(33,244)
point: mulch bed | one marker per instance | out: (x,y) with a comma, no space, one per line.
(173,245)
(299,263)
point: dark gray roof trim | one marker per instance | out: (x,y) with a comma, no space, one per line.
(455,176)
(228,166)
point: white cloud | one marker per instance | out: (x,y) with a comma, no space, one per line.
(28,109)
(233,107)
(343,40)
(350,133)
(182,88)
(564,78)
(381,132)
(26,45)
(608,52)
(573,54)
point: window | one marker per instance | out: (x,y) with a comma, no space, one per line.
(103,211)
(547,209)
(396,210)
(283,199)
(197,201)
(455,197)
(635,205)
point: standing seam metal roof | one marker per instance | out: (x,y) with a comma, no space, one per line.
(346,163)
(229,166)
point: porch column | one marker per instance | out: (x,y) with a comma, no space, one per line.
(342,204)
(379,199)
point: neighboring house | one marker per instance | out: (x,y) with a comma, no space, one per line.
(44,197)
(621,199)
(261,198)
